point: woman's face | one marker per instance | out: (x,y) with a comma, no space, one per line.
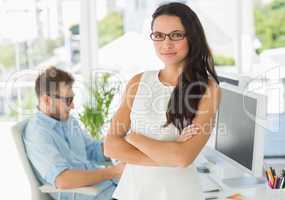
(170,52)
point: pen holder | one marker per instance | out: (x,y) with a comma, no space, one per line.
(276,193)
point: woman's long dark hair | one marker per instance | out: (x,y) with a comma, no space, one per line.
(186,96)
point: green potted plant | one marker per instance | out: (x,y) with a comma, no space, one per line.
(95,112)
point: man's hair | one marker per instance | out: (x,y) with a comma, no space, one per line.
(47,83)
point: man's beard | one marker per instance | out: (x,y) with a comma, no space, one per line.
(57,116)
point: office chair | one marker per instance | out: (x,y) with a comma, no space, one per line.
(39,191)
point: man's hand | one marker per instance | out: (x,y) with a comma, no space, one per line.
(188,132)
(118,169)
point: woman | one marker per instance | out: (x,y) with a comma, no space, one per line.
(159,107)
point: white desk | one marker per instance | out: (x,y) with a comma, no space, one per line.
(259,192)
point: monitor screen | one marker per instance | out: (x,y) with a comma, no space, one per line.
(236,127)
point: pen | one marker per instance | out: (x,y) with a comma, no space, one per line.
(275,182)
(278,181)
(267,177)
(273,171)
(283,173)
(270,177)
(282,184)
(282,179)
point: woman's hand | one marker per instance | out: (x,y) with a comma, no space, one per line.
(130,137)
(188,132)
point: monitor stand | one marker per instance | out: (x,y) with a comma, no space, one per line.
(243,182)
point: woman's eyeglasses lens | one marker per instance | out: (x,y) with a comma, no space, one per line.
(174,36)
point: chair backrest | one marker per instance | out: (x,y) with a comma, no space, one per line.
(17,132)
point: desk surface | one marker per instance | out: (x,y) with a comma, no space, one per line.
(260,192)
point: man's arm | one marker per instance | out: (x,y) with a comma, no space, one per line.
(72,178)
(55,169)
(94,149)
(182,154)
(115,145)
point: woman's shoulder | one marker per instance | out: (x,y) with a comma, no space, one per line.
(134,81)
(136,78)
(133,84)
(213,88)
(212,83)
(211,98)
(142,76)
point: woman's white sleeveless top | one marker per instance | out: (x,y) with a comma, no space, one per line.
(155,183)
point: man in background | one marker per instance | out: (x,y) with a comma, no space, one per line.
(61,153)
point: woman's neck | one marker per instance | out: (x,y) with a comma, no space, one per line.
(170,74)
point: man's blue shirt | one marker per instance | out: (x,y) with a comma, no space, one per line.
(53,146)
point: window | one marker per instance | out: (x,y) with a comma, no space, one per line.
(45,36)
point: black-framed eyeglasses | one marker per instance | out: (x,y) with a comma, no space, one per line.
(174,36)
(67,100)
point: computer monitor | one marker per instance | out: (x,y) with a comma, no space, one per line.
(230,78)
(232,81)
(240,129)
(236,79)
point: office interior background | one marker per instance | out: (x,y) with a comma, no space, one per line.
(92,37)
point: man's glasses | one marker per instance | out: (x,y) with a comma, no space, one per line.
(67,100)
(174,36)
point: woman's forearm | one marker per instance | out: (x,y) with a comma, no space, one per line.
(162,152)
(118,148)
